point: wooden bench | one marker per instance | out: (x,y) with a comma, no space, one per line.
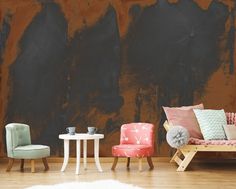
(185,154)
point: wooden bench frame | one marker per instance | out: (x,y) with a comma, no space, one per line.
(185,154)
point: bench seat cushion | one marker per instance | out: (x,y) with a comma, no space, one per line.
(196,141)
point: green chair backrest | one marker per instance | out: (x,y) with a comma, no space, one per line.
(17,134)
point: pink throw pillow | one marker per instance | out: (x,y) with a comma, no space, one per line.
(184,116)
(198,106)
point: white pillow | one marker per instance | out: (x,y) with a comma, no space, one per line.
(211,123)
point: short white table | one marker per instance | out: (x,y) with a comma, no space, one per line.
(78,137)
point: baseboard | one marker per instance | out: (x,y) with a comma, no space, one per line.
(91,159)
(110,160)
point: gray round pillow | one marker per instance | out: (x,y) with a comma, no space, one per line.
(177,136)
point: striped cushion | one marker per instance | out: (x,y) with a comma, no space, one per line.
(231,118)
(211,123)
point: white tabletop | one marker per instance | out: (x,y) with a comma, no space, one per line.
(81,136)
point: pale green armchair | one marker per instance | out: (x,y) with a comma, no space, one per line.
(19,146)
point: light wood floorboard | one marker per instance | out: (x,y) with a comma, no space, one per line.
(164,176)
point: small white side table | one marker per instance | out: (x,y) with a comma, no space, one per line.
(78,137)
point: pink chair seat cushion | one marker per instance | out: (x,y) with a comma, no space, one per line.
(132,150)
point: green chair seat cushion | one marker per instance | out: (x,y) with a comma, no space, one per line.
(31,151)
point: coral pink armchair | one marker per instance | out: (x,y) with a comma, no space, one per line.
(136,140)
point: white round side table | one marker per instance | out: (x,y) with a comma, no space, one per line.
(78,137)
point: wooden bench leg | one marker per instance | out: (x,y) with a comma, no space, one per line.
(177,157)
(10,164)
(128,162)
(187,159)
(22,165)
(32,165)
(114,163)
(45,163)
(177,154)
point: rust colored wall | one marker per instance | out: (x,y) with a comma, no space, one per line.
(109,62)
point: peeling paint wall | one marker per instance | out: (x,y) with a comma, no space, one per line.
(109,62)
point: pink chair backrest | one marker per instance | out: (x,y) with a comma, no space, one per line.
(137,133)
(231,118)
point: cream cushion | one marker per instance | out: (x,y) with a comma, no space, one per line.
(230,131)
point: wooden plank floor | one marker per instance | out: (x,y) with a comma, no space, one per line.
(200,175)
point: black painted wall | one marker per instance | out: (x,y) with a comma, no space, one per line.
(98,76)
